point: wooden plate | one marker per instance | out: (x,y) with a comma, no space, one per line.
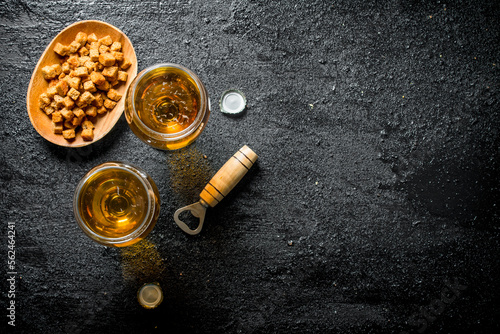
(38,85)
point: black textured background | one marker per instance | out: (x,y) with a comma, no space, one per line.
(376,189)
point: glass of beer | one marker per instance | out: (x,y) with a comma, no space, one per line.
(167,106)
(116,204)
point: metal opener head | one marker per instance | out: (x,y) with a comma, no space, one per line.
(198,210)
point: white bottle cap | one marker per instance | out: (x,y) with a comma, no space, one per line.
(232,101)
(150,295)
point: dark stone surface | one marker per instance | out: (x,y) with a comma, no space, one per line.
(376,188)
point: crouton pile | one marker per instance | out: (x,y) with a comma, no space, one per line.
(81,87)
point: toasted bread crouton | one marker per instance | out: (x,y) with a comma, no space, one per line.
(68,102)
(81,71)
(98,100)
(107,59)
(69,134)
(109,104)
(81,38)
(97,78)
(92,38)
(73,47)
(44,100)
(59,100)
(51,71)
(118,55)
(105,86)
(88,134)
(48,110)
(51,91)
(126,63)
(60,49)
(62,87)
(122,76)
(65,67)
(91,111)
(94,54)
(57,117)
(74,82)
(106,40)
(110,72)
(102,110)
(114,95)
(89,86)
(83,51)
(73,93)
(57,128)
(87,97)
(87,125)
(79,113)
(67,114)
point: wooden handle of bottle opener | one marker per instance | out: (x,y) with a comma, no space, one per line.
(228,176)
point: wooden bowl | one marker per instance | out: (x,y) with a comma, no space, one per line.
(38,85)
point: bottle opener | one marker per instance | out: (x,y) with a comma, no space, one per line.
(219,186)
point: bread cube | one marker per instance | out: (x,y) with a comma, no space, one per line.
(44,100)
(109,104)
(60,49)
(73,61)
(106,40)
(105,86)
(69,134)
(91,111)
(74,82)
(81,71)
(82,60)
(51,71)
(73,47)
(126,63)
(68,102)
(49,110)
(88,134)
(89,86)
(51,91)
(67,114)
(57,117)
(118,55)
(83,51)
(65,68)
(92,38)
(98,100)
(57,128)
(73,93)
(87,125)
(94,54)
(68,124)
(111,72)
(76,121)
(102,110)
(62,87)
(97,78)
(59,100)
(87,97)
(81,38)
(122,76)
(79,113)
(107,59)
(113,95)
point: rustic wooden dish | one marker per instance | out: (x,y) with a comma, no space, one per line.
(38,85)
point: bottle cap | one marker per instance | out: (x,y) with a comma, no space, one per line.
(150,295)
(232,101)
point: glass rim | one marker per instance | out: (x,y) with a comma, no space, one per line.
(199,115)
(139,174)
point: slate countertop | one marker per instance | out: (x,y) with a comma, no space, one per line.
(373,207)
